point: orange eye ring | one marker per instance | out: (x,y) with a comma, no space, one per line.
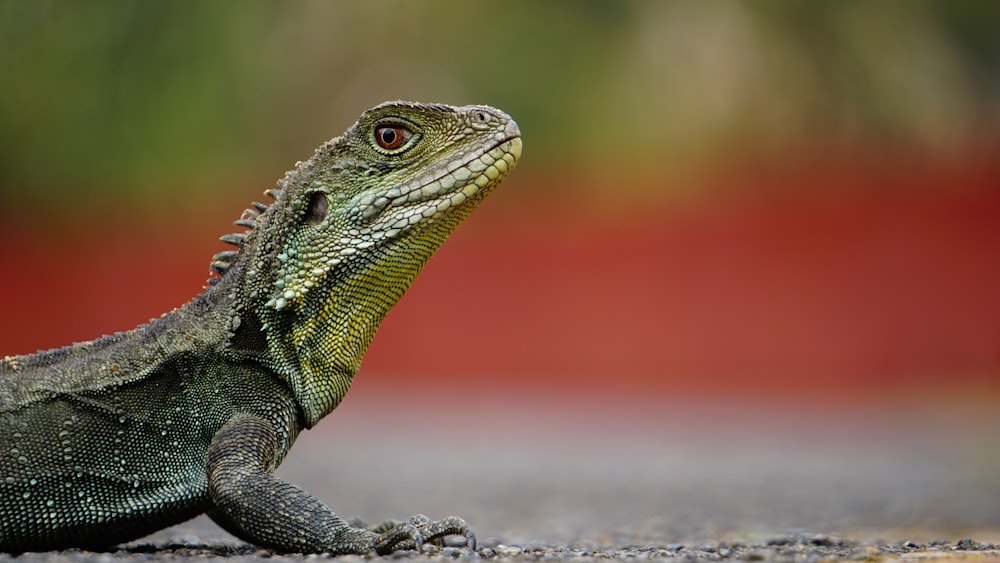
(391,137)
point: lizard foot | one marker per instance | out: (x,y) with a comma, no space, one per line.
(412,534)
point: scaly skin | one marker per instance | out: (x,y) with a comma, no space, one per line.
(109,440)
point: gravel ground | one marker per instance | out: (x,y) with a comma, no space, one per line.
(716,481)
(801,547)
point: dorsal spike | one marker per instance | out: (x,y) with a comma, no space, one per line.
(226,256)
(272,193)
(248,218)
(223,260)
(235,239)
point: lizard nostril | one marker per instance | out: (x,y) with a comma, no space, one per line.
(482,118)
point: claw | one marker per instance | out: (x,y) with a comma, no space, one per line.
(418,540)
(419,531)
(416,522)
(397,535)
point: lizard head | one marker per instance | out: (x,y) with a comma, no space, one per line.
(348,232)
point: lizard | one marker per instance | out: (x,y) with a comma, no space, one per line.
(106,441)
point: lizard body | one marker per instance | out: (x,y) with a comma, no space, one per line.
(106,441)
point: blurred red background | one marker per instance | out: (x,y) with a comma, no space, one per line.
(745,199)
(882,278)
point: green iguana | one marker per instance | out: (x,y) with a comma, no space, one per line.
(110,440)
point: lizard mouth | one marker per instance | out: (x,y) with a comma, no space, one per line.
(440,190)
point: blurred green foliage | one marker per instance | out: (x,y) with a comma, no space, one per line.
(162,98)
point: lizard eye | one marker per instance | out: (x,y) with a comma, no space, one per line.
(391,137)
(318,205)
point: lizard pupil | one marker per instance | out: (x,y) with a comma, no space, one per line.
(318,205)
(391,137)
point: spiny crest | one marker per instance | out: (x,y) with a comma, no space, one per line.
(222,261)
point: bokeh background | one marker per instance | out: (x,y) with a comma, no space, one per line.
(783,207)
(714,197)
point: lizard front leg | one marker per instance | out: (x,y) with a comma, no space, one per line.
(258,507)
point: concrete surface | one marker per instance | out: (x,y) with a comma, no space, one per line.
(555,478)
